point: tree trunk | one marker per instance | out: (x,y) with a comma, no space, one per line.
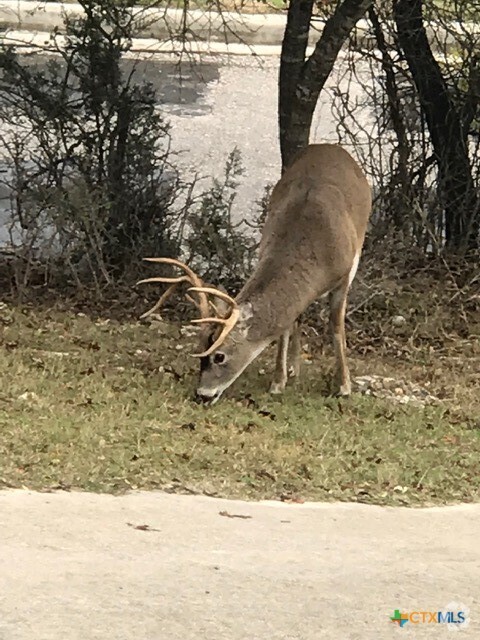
(301,80)
(400,198)
(449,140)
(294,48)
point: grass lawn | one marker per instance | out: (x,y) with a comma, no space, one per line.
(83,405)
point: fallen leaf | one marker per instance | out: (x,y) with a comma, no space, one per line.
(225,514)
(263,473)
(28,396)
(141,527)
(267,414)
(188,426)
(248,402)
(292,499)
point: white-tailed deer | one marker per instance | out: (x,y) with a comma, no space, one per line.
(310,246)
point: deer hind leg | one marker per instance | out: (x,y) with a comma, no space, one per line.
(338,305)
(295,351)
(280,374)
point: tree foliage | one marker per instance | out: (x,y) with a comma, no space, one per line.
(87,147)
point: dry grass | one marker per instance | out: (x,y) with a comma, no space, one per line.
(83,405)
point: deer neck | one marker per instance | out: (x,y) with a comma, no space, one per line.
(273,304)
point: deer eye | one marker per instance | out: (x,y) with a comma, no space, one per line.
(219,358)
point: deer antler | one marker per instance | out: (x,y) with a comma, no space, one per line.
(203,303)
(190,277)
(228,323)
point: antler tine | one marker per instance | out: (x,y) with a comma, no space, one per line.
(164,297)
(216,292)
(161,300)
(193,301)
(176,263)
(228,325)
(174,282)
(162,279)
(191,277)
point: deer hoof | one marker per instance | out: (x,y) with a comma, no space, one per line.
(345,390)
(276,388)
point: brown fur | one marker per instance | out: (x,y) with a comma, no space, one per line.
(314,231)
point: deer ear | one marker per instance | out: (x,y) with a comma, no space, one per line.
(246,312)
(221,306)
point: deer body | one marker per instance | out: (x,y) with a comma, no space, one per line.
(310,246)
(314,230)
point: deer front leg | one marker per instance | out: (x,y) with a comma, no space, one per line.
(280,374)
(338,305)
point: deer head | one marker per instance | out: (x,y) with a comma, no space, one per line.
(225,348)
(227,345)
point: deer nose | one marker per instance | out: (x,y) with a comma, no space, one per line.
(199,399)
(202,397)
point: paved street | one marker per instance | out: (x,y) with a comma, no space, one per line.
(74,566)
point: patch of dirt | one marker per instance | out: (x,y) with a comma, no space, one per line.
(395,390)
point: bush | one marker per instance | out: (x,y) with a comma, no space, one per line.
(87,153)
(218,248)
(92,186)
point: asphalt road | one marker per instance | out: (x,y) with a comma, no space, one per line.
(76,566)
(217,104)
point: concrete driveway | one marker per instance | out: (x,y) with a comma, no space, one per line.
(152,566)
